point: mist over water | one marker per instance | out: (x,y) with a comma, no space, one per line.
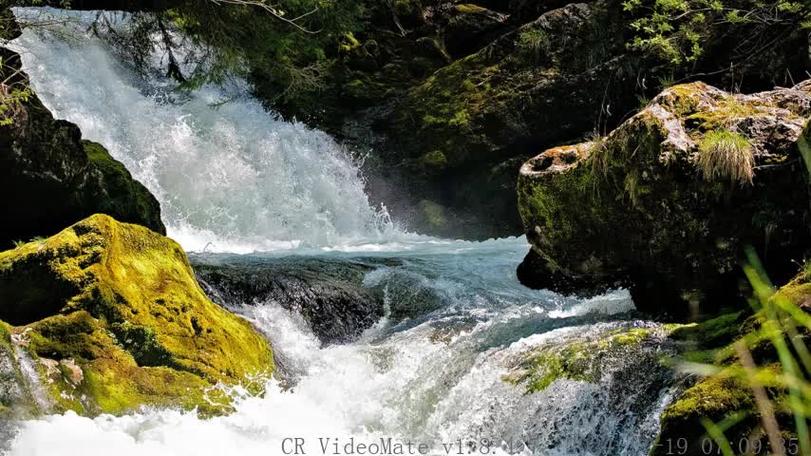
(231,177)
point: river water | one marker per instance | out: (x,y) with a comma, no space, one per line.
(239,186)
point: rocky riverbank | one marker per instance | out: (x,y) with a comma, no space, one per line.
(675,204)
(452,97)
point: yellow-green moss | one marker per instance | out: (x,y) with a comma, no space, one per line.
(435,160)
(468,8)
(713,397)
(131,315)
(580,361)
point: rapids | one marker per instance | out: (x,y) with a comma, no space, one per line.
(234,179)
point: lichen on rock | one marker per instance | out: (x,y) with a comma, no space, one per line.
(641,208)
(114,319)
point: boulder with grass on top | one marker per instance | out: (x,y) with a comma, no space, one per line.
(665,203)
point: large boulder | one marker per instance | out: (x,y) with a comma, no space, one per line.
(666,203)
(111,317)
(50,177)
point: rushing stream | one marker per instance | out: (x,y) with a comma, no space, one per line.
(450,320)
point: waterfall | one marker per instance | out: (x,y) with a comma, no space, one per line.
(229,175)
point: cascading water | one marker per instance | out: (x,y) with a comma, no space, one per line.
(234,178)
(229,175)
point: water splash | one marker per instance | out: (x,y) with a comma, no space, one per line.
(437,377)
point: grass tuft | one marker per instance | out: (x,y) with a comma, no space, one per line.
(724,154)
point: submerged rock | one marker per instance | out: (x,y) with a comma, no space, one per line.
(50,177)
(112,318)
(666,203)
(338,298)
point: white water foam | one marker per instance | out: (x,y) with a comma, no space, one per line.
(406,386)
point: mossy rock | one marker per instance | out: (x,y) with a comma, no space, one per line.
(52,178)
(114,318)
(584,358)
(685,217)
(723,396)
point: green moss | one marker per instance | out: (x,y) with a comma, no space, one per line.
(132,318)
(579,361)
(122,197)
(713,397)
(468,8)
(715,332)
(435,159)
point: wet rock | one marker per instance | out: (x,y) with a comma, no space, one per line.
(329,294)
(599,374)
(666,203)
(111,315)
(51,178)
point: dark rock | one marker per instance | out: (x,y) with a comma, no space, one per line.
(51,178)
(468,24)
(329,294)
(667,202)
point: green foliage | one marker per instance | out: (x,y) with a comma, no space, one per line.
(760,385)
(246,40)
(724,154)
(13,94)
(288,45)
(675,30)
